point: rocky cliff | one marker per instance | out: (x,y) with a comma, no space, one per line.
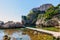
(41,15)
(51,18)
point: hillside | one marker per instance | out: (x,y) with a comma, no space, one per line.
(41,16)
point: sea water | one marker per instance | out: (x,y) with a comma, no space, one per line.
(15,35)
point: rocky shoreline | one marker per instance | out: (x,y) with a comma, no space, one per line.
(10,25)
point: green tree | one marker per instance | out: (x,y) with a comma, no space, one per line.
(49,13)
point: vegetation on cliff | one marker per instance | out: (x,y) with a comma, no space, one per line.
(42,15)
(51,12)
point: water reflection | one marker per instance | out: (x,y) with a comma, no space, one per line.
(1,34)
(14,34)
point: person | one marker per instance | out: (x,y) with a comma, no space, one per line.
(6,37)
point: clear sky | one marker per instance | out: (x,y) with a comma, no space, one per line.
(14,9)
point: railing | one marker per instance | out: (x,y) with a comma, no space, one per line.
(56,35)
